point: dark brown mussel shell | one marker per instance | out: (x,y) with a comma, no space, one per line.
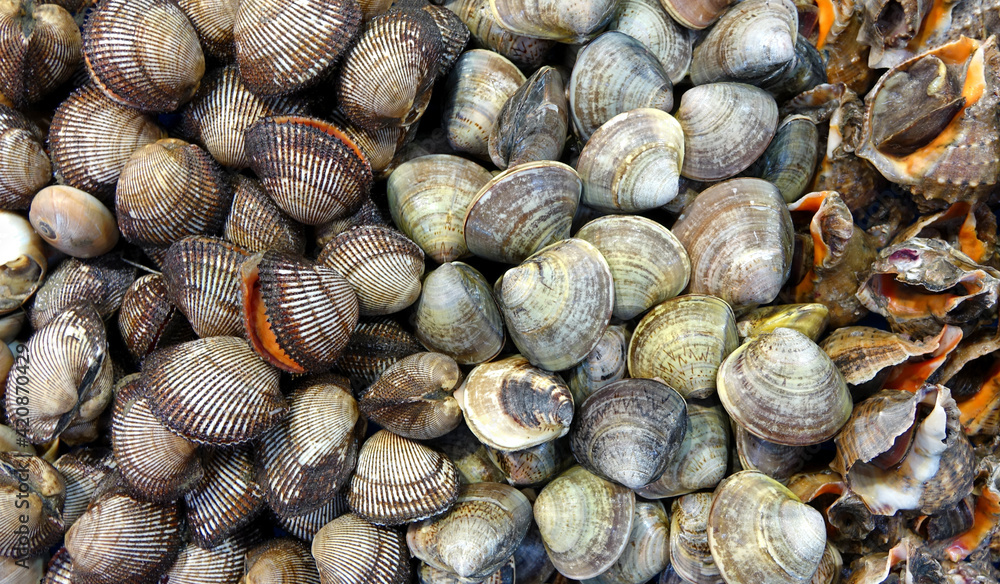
(24,166)
(82,470)
(213,391)
(310,167)
(280,561)
(349,549)
(413,397)
(39,49)
(148,320)
(214,21)
(298,315)
(227,497)
(374,345)
(29,528)
(101,281)
(256,223)
(202,275)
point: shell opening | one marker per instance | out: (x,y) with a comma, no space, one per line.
(258,326)
(915,301)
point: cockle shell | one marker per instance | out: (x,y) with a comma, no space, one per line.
(226,498)
(349,549)
(257,224)
(101,282)
(40,48)
(202,276)
(24,166)
(214,21)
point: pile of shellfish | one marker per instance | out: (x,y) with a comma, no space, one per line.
(505,291)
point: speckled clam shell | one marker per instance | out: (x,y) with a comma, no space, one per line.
(213,20)
(222,110)
(82,471)
(202,276)
(121,538)
(223,563)
(457,315)
(782,387)
(298,315)
(614,74)
(648,549)
(726,127)
(632,162)
(689,552)
(478,87)
(650,24)
(67,376)
(39,50)
(428,197)
(143,53)
(308,456)
(387,76)
(349,549)
(700,461)
(585,522)
(683,341)
(696,14)
(168,190)
(374,345)
(101,282)
(648,264)
(738,235)
(36,524)
(282,49)
(413,397)
(381,264)
(280,561)
(476,536)
(91,138)
(147,319)
(532,123)
(525,51)
(551,19)
(311,169)
(24,166)
(511,405)
(522,210)
(257,224)
(399,481)
(606,363)
(226,498)
(237,398)
(758,529)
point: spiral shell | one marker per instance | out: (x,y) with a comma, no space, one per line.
(24,166)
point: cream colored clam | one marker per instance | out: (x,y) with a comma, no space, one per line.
(701,460)
(648,549)
(572,22)
(606,363)
(689,552)
(478,87)
(648,22)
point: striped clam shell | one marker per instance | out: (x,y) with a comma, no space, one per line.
(24,166)
(202,275)
(82,470)
(143,53)
(282,48)
(454,34)
(280,561)
(223,109)
(223,564)
(91,138)
(256,223)
(379,145)
(67,377)
(101,282)
(374,345)
(398,481)
(309,455)
(525,52)
(28,528)
(226,499)
(213,20)
(147,319)
(607,363)
(213,391)
(381,264)
(298,315)
(59,569)
(368,213)
(349,549)
(310,167)
(123,539)
(168,190)
(413,397)
(157,464)
(39,49)
(387,76)
(305,527)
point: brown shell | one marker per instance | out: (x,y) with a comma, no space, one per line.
(101,281)
(82,471)
(369,213)
(24,166)
(214,21)
(237,397)
(202,275)
(533,466)
(349,549)
(147,319)
(865,355)
(91,138)
(399,481)
(226,498)
(39,50)
(59,569)
(280,561)
(380,145)
(224,564)
(382,265)
(30,527)
(525,52)
(311,168)
(143,53)
(305,527)
(532,124)
(168,190)
(282,48)
(257,224)
(413,397)
(387,76)
(469,455)
(454,34)
(374,345)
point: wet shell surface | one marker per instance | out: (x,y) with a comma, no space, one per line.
(101,282)
(22,262)
(24,166)
(648,549)
(257,224)
(349,549)
(203,281)
(649,23)
(524,51)
(551,19)
(226,498)
(607,363)
(214,21)
(40,45)
(147,320)
(532,124)
(701,460)
(280,560)
(37,523)
(74,222)
(373,346)
(690,555)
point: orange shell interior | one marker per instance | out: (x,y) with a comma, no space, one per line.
(259,327)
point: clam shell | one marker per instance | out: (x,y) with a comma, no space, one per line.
(280,561)
(73,222)
(809,319)
(606,363)
(213,20)
(367,214)
(256,223)
(649,23)
(790,159)
(696,14)
(379,145)
(701,460)
(532,466)
(143,53)
(82,471)
(778,461)
(101,282)
(147,319)
(585,522)
(399,481)
(236,397)
(24,166)
(413,397)
(305,527)
(311,169)
(471,458)
(478,87)
(22,261)
(525,51)
(226,498)
(551,19)
(203,281)
(428,574)
(648,550)
(39,50)
(283,49)
(689,552)
(531,559)
(224,563)
(532,124)
(32,526)
(349,549)
(476,536)
(373,346)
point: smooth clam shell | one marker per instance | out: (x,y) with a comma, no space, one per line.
(551,19)
(585,522)
(32,526)
(648,264)
(478,86)
(689,551)
(428,197)
(39,50)
(532,466)
(629,431)
(524,51)
(226,498)
(349,549)
(632,162)
(280,561)
(696,14)
(648,550)
(522,210)
(74,222)
(782,387)
(24,166)
(790,159)
(649,23)
(606,363)
(213,20)
(532,124)
(257,224)
(701,460)
(202,276)
(726,127)
(778,461)
(373,346)
(101,282)
(808,319)
(476,536)
(683,341)
(614,74)
(557,303)
(22,259)
(511,405)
